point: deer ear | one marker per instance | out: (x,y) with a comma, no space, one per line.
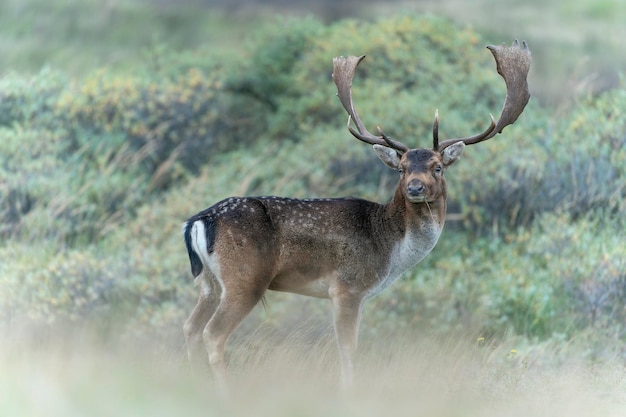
(452,153)
(389,156)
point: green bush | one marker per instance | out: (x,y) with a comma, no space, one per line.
(70,198)
(557,278)
(414,65)
(26,100)
(79,158)
(164,121)
(272,56)
(574,167)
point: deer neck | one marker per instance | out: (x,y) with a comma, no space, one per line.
(412,231)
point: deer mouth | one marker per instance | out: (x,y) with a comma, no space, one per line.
(419,199)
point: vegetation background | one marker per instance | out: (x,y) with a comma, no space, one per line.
(120,119)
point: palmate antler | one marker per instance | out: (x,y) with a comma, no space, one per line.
(343,73)
(513,64)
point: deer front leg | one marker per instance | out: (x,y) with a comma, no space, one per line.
(347,315)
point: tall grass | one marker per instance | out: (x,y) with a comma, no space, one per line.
(407,375)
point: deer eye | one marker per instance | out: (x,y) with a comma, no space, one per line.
(438,169)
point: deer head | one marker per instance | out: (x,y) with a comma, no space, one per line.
(422,169)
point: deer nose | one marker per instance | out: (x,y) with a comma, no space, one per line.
(416,188)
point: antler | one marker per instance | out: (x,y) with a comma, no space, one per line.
(343,73)
(513,64)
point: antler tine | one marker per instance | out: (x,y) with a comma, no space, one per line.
(343,74)
(398,146)
(436,130)
(513,64)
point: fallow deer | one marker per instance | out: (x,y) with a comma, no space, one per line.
(343,249)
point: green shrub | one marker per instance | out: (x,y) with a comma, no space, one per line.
(24,100)
(66,286)
(574,167)
(164,121)
(78,159)
(77,287)
(70,198)
(555,278)
(267,73)
(414,65)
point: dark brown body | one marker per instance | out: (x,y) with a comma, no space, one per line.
(301,246)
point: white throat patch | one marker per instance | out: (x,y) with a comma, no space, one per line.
(408,252)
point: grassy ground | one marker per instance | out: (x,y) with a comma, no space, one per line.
(449,375)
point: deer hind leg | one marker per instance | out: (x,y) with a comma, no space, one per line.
(234,306)
(208,301)
(347,316)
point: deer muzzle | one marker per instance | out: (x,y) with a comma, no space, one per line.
(416,191)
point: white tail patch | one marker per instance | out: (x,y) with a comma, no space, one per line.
(198,241)
(209,260)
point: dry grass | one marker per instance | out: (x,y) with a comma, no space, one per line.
(75,374)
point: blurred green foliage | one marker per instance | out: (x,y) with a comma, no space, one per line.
(97,174)
(78,35)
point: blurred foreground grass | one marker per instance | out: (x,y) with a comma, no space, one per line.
(445,375)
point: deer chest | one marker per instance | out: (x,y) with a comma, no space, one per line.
(407,252)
